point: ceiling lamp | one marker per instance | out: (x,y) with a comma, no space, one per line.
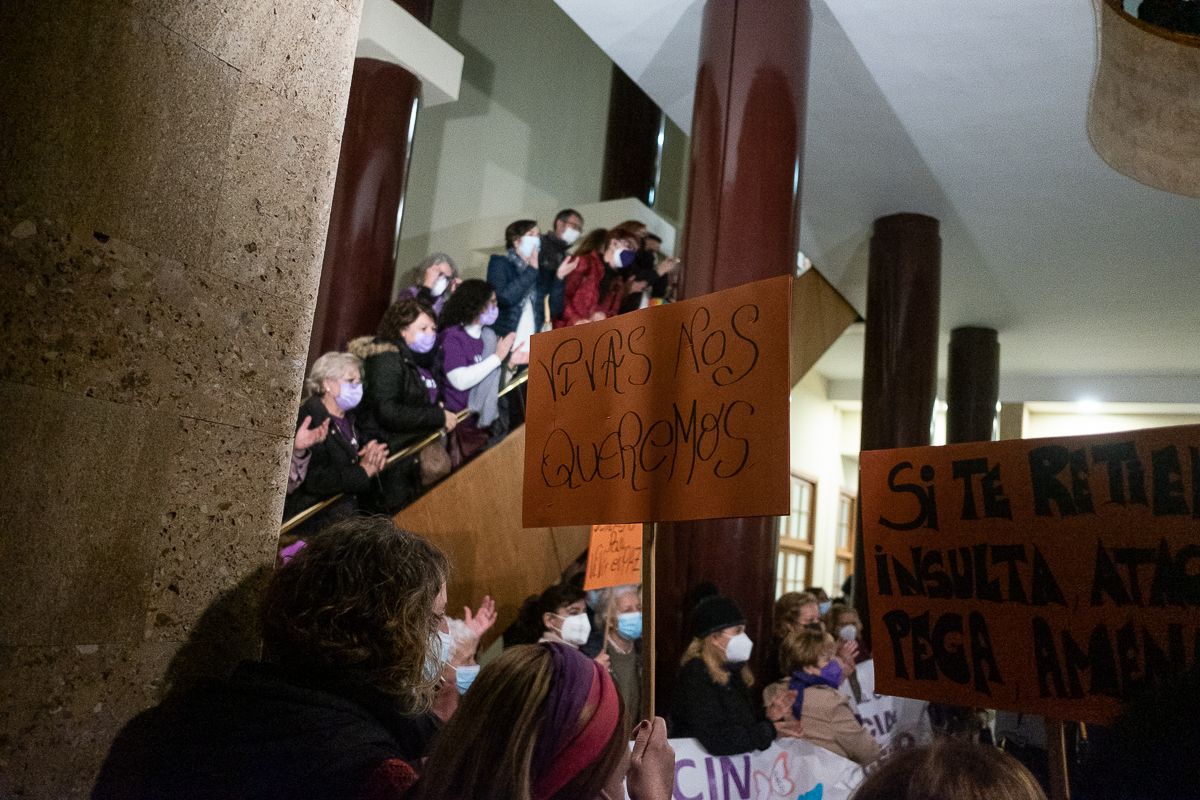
(1144,117)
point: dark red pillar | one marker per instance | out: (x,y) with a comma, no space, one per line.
(743,224)
(900,359)
(359,267)
(972,385)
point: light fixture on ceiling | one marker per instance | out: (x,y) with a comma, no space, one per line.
(1088,405)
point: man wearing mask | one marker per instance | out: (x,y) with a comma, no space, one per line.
(553,263)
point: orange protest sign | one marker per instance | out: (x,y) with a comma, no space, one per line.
(1053,576)
(614,556)
(673,412)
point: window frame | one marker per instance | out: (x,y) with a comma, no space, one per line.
(796,546)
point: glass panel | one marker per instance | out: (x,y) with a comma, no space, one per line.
(778,574)
(839,574)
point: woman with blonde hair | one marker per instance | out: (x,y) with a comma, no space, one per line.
(545,722)
(949,769)
(712,692)
(815,674)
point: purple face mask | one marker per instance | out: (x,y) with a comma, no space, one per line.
(831,673)
(489,315)
(423,343)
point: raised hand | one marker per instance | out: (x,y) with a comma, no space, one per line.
(307,436)
(652,763)
(483,619)
(566,267)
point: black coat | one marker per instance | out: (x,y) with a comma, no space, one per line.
(722,718)
(333,467)
(267,732)
(395,398)
(553,253)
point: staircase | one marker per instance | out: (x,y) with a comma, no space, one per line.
(475,517)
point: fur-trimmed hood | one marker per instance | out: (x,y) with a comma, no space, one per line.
(366,346)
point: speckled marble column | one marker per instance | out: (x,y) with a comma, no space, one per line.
(167,169)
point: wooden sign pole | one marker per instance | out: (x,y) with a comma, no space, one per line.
(1056,755)
(649,531)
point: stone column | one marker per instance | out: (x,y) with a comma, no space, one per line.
(360,258)
(972,385)
(167,171)
(900,360)
(744,197)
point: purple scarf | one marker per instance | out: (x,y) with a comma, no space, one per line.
(569,686)
(800,681)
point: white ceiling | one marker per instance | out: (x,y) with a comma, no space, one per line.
(973,113)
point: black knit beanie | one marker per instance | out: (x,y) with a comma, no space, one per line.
(714,613)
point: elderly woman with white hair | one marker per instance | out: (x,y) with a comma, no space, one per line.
(351,459)
(619,614)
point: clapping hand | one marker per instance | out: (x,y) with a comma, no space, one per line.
(483,619)
(307,436)
(566,267)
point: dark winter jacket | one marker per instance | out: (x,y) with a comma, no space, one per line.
(395,396)
(722,718)
(550,258)
(513,280)
(266,732)
(333,466)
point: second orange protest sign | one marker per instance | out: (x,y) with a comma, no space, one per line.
(614,556)
(1053,576)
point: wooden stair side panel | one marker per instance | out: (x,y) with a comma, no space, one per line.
(819,315)
(475,517)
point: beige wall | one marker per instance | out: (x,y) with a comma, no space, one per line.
(816,442)
(526,136)
(167,171)
(1040,424)
(527,131)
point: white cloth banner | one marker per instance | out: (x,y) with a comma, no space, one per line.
(790,769)
(895,722)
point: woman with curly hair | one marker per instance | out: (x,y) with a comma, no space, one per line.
(340,708)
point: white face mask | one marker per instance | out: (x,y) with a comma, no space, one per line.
(739,648)
(576,629)
(848,633)
(570,236)
(439,286)
(527,245)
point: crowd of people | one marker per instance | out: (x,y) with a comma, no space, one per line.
(441,354)
(368,690)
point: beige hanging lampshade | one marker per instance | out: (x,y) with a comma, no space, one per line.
(1144,117)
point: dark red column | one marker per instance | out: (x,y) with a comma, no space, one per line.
(900,359)
(972,385)
(743,223)
(359,267)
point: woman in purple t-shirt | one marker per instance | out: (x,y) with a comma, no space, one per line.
(465,361)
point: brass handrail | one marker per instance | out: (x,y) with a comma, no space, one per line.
(405,452)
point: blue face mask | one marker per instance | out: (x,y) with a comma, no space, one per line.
(824,607)
(464,677)
(831,673)
(629,624)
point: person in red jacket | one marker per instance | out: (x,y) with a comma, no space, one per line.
(594,290)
